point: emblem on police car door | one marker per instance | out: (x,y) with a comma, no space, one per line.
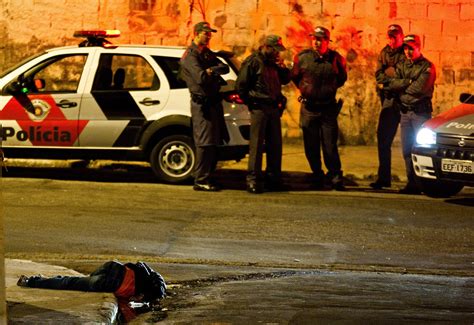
(41,110)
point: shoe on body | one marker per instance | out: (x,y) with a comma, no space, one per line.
(254,188)
(206,187)
(378,185)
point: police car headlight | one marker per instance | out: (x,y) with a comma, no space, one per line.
(426,137)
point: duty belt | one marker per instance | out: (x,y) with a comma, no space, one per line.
(421,107)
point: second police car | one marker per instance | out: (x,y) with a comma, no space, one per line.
(444,151)
(103,101)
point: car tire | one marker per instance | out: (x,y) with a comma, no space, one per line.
(439,189)
(172,159)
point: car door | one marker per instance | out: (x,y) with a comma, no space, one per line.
(44,109)
(127,89)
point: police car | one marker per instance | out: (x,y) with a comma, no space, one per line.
(444,151)
(98,100)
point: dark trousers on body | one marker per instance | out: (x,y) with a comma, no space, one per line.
(410,124)
(389,120)
(206,162)
(321,132)
(106,278)
(265,133)
(208,131)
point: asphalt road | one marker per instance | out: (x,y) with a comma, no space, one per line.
(221,246)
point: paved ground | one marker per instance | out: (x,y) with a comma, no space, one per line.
(395,293)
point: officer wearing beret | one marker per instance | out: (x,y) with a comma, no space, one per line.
(414,84)
(201,70)
(259,85)
(318,73)
(389,118)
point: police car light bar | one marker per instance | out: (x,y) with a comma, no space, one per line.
(97,33)
(97,37)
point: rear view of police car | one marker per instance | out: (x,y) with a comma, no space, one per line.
(103,101)
(444,151)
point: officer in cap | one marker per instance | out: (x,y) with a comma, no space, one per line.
(318,72)
(259,84)
(414,85)
(389,118)
(201,70)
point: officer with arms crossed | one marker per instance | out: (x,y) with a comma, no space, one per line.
(259,85)
(201,70)
(318,73)
(414,83)
(389,118)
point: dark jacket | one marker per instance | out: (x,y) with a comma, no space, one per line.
(259,81)
(388,58)
(147,281)
(193,71)
(318,77)
(414,82)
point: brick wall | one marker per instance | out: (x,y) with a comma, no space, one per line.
(357,30)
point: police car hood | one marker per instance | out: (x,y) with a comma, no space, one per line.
(457,120)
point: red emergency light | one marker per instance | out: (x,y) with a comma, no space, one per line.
(97,33)
(97,37)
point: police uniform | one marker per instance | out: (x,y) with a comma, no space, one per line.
(206,108)
(389,117)
(318,77)
(259,85)
(414,82)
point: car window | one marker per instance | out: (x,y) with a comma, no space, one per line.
(170,66)
(124,72)
(61,74)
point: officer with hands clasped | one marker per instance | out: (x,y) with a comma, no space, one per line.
(201,70)
(318,73)
(414,84)
(389,118)
(259,85)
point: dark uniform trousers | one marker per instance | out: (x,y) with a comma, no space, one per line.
(265,130)
(207,134)
(322,129)
(389,119)
(410,124)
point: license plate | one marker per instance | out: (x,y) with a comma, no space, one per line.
(457,166)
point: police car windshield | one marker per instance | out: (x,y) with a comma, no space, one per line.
(7,71)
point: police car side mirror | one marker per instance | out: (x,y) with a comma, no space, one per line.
(13,87)
(18,86)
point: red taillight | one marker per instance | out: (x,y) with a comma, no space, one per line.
(233,98)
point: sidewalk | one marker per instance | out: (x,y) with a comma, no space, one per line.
(358,162)
(40,306)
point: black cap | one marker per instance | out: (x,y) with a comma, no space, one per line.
(412,40)
(394,30)
(275,42)
(322,32)
(203,26)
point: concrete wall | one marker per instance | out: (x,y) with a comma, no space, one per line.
(357,27)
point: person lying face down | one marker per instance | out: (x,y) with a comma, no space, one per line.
(136,282)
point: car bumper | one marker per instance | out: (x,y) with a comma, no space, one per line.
(427,163)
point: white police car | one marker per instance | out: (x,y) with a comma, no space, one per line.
(103,101)
(444,151)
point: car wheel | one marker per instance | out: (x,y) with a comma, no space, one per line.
(435,188)
(172,158)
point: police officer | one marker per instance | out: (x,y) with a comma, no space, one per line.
(201,70)
(318,73)
(389,117)
(259,85)
(414,82)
